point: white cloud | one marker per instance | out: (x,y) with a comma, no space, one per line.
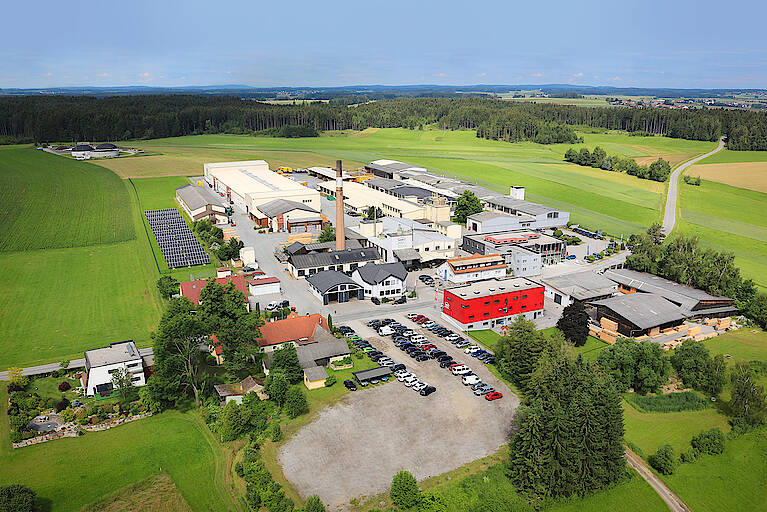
(104,75)
(440,74)
(537,75)
(48,74)
(616,78)
(145,76)
(577,75)
(481,74)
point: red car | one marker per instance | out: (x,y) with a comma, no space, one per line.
(493,396)
(428,347)
(454,365)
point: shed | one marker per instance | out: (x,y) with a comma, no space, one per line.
(373,373)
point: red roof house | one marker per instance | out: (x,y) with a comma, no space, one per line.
(294,329)
(191,289)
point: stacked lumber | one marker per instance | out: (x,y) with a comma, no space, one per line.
(608,324)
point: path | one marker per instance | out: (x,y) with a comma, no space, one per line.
(674,502)
(52,367)
(669,216)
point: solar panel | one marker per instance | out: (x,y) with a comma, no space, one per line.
(178,245)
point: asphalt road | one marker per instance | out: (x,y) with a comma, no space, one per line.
(674,502)
(669,216)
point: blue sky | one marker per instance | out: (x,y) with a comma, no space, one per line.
(672,43)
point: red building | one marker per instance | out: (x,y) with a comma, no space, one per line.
(486,304)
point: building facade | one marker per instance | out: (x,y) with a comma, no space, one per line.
(472,268)
(551,250)
(102,363)
(487,304)
(385,280)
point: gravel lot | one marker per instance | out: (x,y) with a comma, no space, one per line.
(355,447)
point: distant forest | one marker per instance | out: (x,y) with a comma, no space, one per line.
(74,118)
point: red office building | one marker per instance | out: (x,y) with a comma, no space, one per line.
(486,304)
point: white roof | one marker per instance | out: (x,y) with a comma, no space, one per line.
(252,177)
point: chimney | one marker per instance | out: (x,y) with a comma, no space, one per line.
(340,235)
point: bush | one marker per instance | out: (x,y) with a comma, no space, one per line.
(688,457)
(404,490)
(663,461)
(330,381)
(295,403)
(62,404)
(67,415)
(709,441)
(238,469)
(672,402)
(275,432)
(64,386)
(314,504)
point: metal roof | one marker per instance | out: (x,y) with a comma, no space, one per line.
(519,205)
(409,190)
(372,373)
(645,310)
(375,273)
(195,198)
(314,373)
(582,285)
(328,279)
(282,206)
(309,354)
(383,183)
(324,259)
(407,254)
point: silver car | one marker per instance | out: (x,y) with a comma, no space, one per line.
(483,390)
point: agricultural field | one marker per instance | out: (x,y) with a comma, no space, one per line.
(741,169)
(727,218)
(156,493)
(68,474)
(47,202)
(615,202)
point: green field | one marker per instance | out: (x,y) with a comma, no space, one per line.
(730,219)
(48,202)
(59,302)
(615,202)
(728,157)
(71,473)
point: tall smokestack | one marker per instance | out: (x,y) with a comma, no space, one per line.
(340,235)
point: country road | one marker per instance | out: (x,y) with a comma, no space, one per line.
(674,502)
(669,215)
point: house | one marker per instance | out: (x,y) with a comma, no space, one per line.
(200,203)
(192,289)
(381,279)
(264,286)
(347,260)
(472,268)
(294,330)
(638,314)
(334,286)
(236,392)
(102,363)
(580,287)
(286,215)
(488,304)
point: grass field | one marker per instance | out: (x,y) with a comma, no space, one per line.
(615,202)
(156,493)
(48,202)
(71,473)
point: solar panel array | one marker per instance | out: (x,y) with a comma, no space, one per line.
(177,243)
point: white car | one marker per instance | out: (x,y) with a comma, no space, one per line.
(460,370)
(401,372)
(406,375)
(408,333)
(409,381)
(419,386)
(469,350)
(412,315)
(469,380)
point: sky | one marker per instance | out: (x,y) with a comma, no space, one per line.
(671,43)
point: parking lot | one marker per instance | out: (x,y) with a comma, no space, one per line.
(355,447)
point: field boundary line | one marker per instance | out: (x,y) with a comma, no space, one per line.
(143,223)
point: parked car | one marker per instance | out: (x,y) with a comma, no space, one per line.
(385,331)
(493,395)
(470,379)
(350,385)
(375,300)
(409,381)
(399,367)
(419,386)
(483,390)
(401,300)
(428,390)
(421,357)
(474,387)
(470,349)
(446,363)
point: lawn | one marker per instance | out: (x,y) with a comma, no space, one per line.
(47,201)
(71,473)
(589,351)
(156,493)
(488,338)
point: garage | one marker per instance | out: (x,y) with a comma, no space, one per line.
(334,286)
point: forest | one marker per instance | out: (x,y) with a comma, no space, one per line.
(75,118)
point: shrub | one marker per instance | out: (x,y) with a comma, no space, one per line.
(15,437)
(330,381)
(238,469)
(688,457)
(62,404)
(64,386)
(634,448)
(314,504)
(295,402)
(672,402)
(275,433)
(404,490)
(67,415)
(709,441)
(663,461)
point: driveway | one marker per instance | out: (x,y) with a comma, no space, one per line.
(51,423)
(355,447)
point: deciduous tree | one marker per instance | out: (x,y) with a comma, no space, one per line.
(574,324)
(404,490)
(467,204)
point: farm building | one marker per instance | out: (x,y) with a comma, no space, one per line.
(250,184)
(477,267)
(579,287)
(693,303)
(264,286)
(381,280)
(551,250)
(200,203)
(103,150)
(638,314)
(286,215)
(101,363)
(496,302)
(302,265)
(334,286)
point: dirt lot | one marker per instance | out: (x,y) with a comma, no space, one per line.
(355,447)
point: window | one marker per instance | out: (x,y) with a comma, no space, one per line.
(301,273)
(487,303)
(487,314)
(524,307)
(465,306)
(496,301)
(515,298)
(524,296)
(132,365)
(471,317)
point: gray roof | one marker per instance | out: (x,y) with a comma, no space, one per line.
(83,147)
(328,279)
(519,205)
(393,166)
(324,259)
(194,197)
(372,373)
(407,254)
(485,216)
(684,296)
(460,188)
(375,273)
(383,183)
(118,352)
(315,373)
(279,206)
(409,190)
(582,285)
(429,179)
(322,246)
(106,145)
(645,310)
(309,354)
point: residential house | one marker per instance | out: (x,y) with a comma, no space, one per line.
(386,280)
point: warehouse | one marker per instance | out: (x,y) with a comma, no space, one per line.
(334,286)
(302,265)
(487,304)
(579,287)
(358,198)
(199,203)
(544,216)
(639,314)
(390,168)
(391,235)
(286,215)
(551,250)
(250,184)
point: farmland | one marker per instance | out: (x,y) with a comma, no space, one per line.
(100,463)
(615,202)
(49,202)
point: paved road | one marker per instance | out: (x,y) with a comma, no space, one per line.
(674,502)
(52,367)
(669,216)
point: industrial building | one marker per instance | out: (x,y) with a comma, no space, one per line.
(286,215)
(103,150)
(477,267)
(551,250)
(200,203)
(358,198)
(250,184)
(302,265)
(390,168)
(496,302)
(406,240)
(579,287)
(538,215)
(639,314)
(334,286)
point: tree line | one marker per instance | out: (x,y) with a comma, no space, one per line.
(659,170)
(74,118)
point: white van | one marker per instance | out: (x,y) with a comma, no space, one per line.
(385,331)
(417,338)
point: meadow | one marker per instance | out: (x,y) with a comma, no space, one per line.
(615,202)
(68,474)
(47,201)
(741,169)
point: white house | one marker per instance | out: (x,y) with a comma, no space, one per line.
(264,286)
(472,268)
(102,363)
(385,280)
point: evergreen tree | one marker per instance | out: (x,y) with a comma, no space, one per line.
(574,324)
(404,490)
(748,399)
